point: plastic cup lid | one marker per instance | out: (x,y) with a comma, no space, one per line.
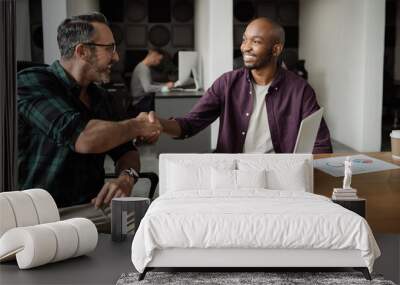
(395,134)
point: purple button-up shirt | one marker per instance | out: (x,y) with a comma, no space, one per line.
(289,100)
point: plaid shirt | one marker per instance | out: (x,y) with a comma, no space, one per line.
(50,118)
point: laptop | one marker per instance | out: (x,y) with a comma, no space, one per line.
(308,132)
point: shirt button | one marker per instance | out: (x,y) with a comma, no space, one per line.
(276,88)
(247,114)
(243,133)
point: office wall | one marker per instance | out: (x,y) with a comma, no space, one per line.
(201,32)
(53,13)
(343,43)
(23,34)
(214,42)
(76,7)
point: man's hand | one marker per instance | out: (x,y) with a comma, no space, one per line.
(170,84)
(120,187)
(152,119)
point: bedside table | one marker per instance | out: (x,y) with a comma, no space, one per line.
(357,206)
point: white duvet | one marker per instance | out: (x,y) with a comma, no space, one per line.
(250,219)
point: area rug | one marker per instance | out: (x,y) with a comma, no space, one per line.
(243,278)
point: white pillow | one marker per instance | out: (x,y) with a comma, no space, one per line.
(293,179)
(186,175)
(282,174)
(251,178)
(225,179)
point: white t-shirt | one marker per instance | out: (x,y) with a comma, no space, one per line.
(258,137)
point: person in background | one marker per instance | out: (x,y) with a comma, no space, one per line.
(66,125)
(142,86)
(260,106)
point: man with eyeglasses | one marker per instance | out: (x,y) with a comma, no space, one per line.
(67,125)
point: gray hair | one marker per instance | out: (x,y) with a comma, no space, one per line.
(75,30)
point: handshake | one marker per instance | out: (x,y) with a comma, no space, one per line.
(148,127)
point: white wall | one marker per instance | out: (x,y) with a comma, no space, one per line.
(214,42)
(343,42)
(201,28)
(23,30)
(53,13)
(76,7)
(374,46)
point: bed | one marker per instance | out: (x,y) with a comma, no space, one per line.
(246,211)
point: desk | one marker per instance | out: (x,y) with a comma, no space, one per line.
(179,94)
(380,189)
(102,266)
(177,104)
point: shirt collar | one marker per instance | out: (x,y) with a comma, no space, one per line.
(66,79)
(277,80)
(69,81)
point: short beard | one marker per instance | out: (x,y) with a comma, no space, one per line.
(101,77)
(265,61)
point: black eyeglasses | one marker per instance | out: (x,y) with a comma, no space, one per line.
(112,48)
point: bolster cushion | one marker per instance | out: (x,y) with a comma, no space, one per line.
(33,246)
(26,208)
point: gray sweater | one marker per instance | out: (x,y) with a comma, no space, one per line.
(141,83)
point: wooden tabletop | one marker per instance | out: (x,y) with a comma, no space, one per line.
(380,189)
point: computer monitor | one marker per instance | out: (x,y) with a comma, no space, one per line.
(188,69)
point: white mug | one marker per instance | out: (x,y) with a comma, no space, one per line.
(395,139)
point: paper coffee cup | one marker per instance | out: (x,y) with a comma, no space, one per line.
(395,138)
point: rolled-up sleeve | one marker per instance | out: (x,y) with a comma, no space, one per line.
(117,152)
(55,118)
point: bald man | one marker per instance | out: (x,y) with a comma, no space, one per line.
(260,106)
